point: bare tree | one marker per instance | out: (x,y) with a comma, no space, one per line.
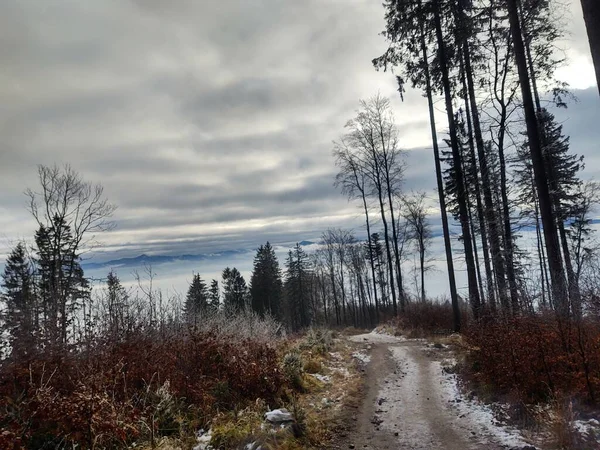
(373,138)
(69,212)
(415,214)
(80,204)
(353,181)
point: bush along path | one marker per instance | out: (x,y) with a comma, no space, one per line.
(412,401)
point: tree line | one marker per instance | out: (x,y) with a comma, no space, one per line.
(508,165)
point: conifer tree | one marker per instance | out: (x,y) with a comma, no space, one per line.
(196,299)
(297,288)
(235,291)
(60,279)
(266,286)
(117,302)
(20,314)
(214,295)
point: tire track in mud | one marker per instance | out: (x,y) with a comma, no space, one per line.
(407,404)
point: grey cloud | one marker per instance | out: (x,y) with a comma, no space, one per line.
(198,117)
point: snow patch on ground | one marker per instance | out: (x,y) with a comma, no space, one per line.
(588,428)
(362,357)
(421,403)
(377,337)
(479,415)
(203,440)
(321,378)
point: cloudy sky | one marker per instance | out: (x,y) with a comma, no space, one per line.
(208,122)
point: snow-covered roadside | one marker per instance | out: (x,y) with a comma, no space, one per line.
(377,337)
(588,428)
(478,416)
(431,412)
(420,402)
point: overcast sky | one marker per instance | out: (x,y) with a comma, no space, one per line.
(209,122)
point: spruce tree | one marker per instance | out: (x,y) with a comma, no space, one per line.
(297,288)
(235,291)
(60,279)
(117,302)
(214,295)
(20,306)
(266,287)
(196,299)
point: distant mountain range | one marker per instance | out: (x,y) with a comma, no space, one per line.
(154,260)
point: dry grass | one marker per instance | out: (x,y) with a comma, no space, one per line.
(329,385)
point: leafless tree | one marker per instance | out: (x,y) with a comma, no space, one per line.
(80,204)
(419,230)
(69,212)
(373,138)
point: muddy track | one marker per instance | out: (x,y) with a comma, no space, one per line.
(406,406)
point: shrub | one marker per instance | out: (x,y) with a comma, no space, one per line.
(421,319)
(538,356)
(140,387)
(319,340)
(292,368)
(312,366)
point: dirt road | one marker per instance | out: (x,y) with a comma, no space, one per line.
(411,404)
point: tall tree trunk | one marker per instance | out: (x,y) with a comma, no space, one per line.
(508,239)
(490,215)
(440,188)
(541,181)
(460,188)
(388,253)
(388,185)
(396,249)
(380,194)
(480,211)
(336,302)
(422,262)
(371,260)
(542,254)
(572,286)
(343,288)
(591,14)
(324,295)
(574,294)
(475,249)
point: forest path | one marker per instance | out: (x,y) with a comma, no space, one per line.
(410,403)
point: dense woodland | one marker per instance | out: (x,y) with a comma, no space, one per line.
(516,210)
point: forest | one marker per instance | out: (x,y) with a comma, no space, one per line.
(100,365)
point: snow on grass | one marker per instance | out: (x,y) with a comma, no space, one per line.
(362,357)
(321,378)
(588,428)
(203,440)
(343,371)
(479,415)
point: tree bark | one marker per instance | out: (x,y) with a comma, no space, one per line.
(371,261)
(480,214)
(541,181)
(490,215)
(460,188)
(440,188)
(591,15)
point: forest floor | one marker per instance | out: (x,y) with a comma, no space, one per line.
(412,401)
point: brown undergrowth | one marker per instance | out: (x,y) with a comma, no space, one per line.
(321,384)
